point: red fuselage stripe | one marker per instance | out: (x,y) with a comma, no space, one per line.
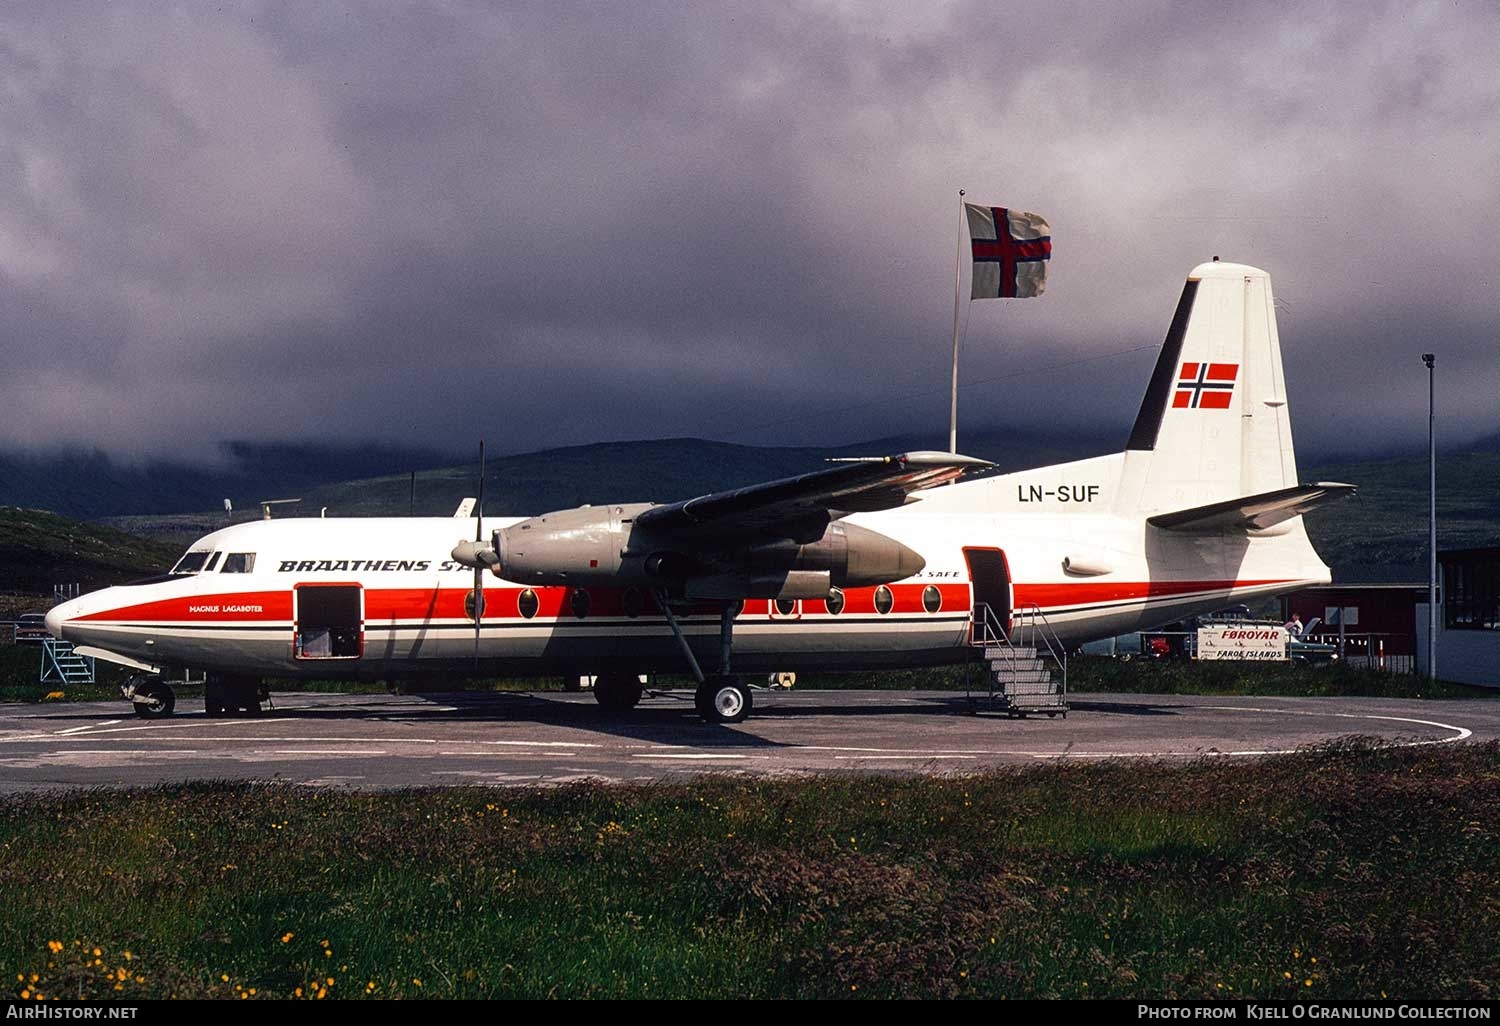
(448,603)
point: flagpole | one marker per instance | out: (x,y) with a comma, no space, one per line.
(958,263)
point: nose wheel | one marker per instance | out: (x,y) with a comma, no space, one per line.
(153,699)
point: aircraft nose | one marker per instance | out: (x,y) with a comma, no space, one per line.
(55,621)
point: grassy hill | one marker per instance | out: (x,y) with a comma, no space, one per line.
(39,549)
(1381,534)
(88,484)
(659,470)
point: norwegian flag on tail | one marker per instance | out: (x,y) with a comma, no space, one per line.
(1011,250)
(1205,386)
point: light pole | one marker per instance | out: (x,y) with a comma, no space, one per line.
(1432,613)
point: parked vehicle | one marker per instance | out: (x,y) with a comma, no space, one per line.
(31,629)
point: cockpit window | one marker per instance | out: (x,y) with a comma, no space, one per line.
(191,563)
(239,563)
(213,561)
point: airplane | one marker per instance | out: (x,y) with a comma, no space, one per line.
(899,560)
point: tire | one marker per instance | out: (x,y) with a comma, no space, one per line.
(723,700)
(617,692)
(154,700)
(215,702)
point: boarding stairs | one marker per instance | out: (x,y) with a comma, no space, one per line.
(1026,666)
(62,665)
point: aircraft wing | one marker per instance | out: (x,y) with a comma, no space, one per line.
(1253,511)
(853,486)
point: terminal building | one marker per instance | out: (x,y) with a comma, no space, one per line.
(1375,625)
(1385,625)
(1468,638)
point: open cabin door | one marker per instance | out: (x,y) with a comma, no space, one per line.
(329,622)
(989,581)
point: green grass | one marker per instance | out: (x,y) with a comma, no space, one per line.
(39,549)
(1185,677)
(1364,871)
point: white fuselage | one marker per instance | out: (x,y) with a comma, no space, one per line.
(404,606)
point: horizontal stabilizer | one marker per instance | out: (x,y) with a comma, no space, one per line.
(1253,511)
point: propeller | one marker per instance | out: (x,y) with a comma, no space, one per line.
(477,554)
(478,565)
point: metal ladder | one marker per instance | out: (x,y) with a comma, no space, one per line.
(61,665)
(1026,667)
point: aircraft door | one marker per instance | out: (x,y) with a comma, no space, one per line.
(990,586)
(329,621)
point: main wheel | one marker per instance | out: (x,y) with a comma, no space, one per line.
(154,700)
(617,692)
(722,700)
(215,697)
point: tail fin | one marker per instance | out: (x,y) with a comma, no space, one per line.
(1214,423)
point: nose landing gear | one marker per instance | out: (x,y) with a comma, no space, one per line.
(152,697)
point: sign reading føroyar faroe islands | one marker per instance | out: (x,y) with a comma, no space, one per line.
(1262,644)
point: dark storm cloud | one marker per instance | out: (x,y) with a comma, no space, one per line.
(554,224)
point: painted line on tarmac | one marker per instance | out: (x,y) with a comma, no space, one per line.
(1460,733)
(262,739)
(915,752)
(66,753)
(694,755)
(908,758)
(533,744)
(79,730)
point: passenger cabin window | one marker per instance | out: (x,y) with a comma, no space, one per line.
(835,601)
(528,603)
(932,599)
(191,563)
(239,563)
(884,600)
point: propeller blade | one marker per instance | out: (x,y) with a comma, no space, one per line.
(479,506)
(478,609)
(478,567)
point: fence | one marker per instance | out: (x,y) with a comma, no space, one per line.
(1390,653)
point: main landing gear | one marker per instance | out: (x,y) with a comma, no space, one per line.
(617,692)
(722,698)
(224,695)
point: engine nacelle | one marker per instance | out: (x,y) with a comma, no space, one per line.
(600,545)
(571,546)
(852,556)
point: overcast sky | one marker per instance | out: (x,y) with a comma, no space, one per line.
(553,223)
